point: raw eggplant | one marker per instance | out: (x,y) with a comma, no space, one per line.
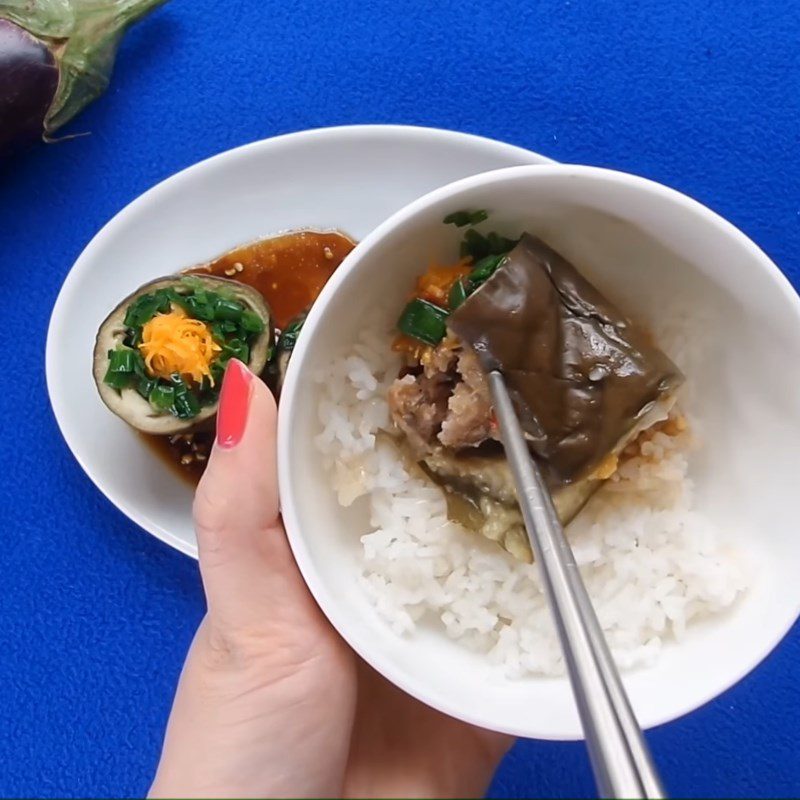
(56,57)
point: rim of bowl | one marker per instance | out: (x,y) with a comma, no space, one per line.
(110,228)
(289,501)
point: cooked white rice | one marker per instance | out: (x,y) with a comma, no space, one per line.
(651,562)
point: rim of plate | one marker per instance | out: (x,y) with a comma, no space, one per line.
(400,678)
(83,262)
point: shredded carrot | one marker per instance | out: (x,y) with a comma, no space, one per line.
(175,342)
(435,284)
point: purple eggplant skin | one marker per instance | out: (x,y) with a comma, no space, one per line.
(56,57)
(28,83)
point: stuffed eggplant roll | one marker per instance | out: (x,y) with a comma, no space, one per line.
(160,355)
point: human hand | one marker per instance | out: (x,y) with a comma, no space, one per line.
(271,702)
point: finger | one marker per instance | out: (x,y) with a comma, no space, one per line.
(245,559)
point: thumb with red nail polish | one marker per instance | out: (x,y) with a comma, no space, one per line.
(267,694)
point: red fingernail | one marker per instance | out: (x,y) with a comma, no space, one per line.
(234,401)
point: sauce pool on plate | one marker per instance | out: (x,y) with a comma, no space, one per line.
(289,271)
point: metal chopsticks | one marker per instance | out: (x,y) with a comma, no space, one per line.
(619,754)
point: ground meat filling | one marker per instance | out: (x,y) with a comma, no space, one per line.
(419,406)
(443,400)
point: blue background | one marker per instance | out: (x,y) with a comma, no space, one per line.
(95,616)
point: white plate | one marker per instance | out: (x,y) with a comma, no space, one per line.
(351,178)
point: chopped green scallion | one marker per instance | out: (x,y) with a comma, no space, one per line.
(186,406)
(484,269)
(218,332)
(162,397)
(117,380)
(179,383)
(236,348)
(476,246)
(145,385)
(122,360)
(459,292)
(251,322)
(288,337)
(199,309)
(228,309)
(144,308)
(463,218)
(423,321)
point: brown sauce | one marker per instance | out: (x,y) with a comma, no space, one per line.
(185,454)
(289,271)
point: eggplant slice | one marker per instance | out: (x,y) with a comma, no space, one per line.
(136,410)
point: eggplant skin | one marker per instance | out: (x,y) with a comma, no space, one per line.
(579,372)
(128,404)
(29,79)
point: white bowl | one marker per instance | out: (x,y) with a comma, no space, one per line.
(351,178)
(666,259)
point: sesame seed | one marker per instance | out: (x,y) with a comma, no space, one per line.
(230,271)
(327,252)
(201,457)
(238,266)
(187,459)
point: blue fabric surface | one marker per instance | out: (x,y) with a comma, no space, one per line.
(95,616)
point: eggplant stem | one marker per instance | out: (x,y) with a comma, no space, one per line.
(134,10)
(83,36)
